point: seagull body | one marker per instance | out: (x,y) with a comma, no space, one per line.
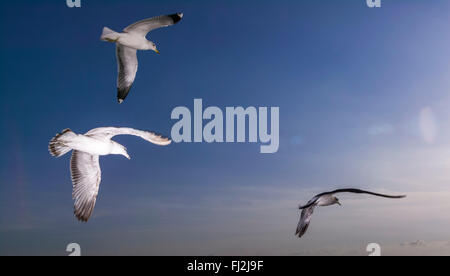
(133,38)
(134,41)
(327,199)
(84,164)
(93,146)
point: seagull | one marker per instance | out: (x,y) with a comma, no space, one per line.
(84,164)
(133,38)
(327,199)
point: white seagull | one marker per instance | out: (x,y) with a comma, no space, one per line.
(327,199)
(84,164)
(133,38)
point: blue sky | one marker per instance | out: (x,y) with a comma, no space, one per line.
(363,97)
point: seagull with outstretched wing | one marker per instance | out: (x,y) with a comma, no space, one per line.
(133,38)
(327,199)
(84,164)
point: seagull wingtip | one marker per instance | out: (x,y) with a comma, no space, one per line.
(176,17)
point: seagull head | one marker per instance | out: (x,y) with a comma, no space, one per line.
(152,46)
(119,149)
(336,201)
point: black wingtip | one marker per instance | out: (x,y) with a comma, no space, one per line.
(176,17)
(80,217)
(122,94)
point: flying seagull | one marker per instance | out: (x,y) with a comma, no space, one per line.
(133,38)
(327,199)
(84,164)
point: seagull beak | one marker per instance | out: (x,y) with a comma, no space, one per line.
(127,156)
(339,203)
(156,50)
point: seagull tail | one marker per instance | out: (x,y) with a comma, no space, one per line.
(109,35)
(56,147)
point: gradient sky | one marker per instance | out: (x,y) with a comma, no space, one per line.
(363,96)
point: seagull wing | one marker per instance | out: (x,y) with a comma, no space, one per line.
(305,219)
(109,132)
(86,177)
(143,27)
(310,202)
(127,66)
(358,191)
